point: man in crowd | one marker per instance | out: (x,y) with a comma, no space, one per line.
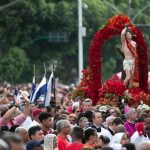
(87,105)
(83,122)
(110,125)
(14,141)
(46,122)
(22,132)
(34,145)
(63,127)
(90,137)
(113,123)
(131,116)
(77,135)
(8,118)
(97,124)
(36,133)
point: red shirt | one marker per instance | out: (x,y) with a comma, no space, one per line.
(62,142)
(75,146)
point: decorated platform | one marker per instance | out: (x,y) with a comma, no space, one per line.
(113,91)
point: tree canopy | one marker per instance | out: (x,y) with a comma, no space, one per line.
(34,32)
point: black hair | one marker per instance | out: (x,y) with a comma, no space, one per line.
(104,139)
(129,146)
(44,116)
(89,115)
(117,121)
(4,128)
(33,130)
(13,128)
(107,148)
(77,133)
(88,132)
(81,115)
(49,108)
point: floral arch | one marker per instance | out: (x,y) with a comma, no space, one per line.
(91,81)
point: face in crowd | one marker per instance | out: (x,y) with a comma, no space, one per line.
(98,120)
(87,105)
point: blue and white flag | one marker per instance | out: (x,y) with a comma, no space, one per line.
(33,88)
(16,93)
(40,90)
(50,86)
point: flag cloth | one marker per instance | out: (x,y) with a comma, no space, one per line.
(50,86)
(16,93)
(40,90)
(33,88)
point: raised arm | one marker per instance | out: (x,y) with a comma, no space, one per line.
(123,34)
(27,107)
(9,114)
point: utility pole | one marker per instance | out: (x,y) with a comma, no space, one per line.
(80,40)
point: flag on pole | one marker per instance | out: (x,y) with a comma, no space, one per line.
(16,93)
(50,86)
(40,90)
(33,88)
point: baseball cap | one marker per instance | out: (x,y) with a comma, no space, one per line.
(36,112)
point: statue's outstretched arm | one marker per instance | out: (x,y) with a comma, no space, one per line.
(123,34)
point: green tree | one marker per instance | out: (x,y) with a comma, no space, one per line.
(13,63)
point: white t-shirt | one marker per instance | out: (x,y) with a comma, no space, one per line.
(28,123)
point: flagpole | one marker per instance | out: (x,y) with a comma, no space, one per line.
(12,75)
(33,83)
(44,69)
(54,87)
(13,83)
(34,70)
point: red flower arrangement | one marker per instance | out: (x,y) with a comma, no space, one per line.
(90,86)
(111,91)
(135,96)
(83,89)
(112,87)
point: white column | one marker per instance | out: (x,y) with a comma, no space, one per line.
(80,40)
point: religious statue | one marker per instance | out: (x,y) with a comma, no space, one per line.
(130,54)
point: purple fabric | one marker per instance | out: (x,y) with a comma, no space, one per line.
(130,128)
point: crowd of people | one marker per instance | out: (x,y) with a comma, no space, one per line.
(70,124)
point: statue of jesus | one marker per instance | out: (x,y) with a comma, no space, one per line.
(130,54)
